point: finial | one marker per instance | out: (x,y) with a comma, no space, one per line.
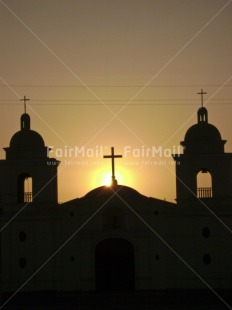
(202,93)
(25,99)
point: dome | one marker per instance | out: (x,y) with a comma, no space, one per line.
(203,137)
(121,190)
(202,132)
(26,143)
(26,139)
(100,196)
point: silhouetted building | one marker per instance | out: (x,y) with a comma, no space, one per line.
(114,239)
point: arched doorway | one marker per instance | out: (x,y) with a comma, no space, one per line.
(114,265)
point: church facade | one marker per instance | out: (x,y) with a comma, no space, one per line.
(114,239)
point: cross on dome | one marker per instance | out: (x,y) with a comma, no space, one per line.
(202,93)
(113,156)
(25,99)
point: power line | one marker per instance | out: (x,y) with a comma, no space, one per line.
(117,104)
(117,86)
(116,100)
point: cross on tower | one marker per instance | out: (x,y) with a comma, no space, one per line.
(25,99)
(202,93)
(112,156)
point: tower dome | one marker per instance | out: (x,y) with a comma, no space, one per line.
(203,137)
(26,138)
(26,143)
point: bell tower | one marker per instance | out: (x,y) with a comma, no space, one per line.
(28,175)
(203,171)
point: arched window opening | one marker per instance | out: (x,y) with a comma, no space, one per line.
(204,184)
(28,189)
(202,115)
(25,188)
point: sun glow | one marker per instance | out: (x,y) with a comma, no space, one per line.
(106,179)
(102,177)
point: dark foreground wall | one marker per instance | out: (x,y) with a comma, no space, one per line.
(144,300)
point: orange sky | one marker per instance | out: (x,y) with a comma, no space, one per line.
(115,73)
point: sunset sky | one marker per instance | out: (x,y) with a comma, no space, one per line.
(115,73)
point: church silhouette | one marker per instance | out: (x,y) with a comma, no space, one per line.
(115,248)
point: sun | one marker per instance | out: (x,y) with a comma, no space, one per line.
(102,177)
(106,179)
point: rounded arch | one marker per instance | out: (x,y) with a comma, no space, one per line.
(114,265)
(24,188)
(204,183)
